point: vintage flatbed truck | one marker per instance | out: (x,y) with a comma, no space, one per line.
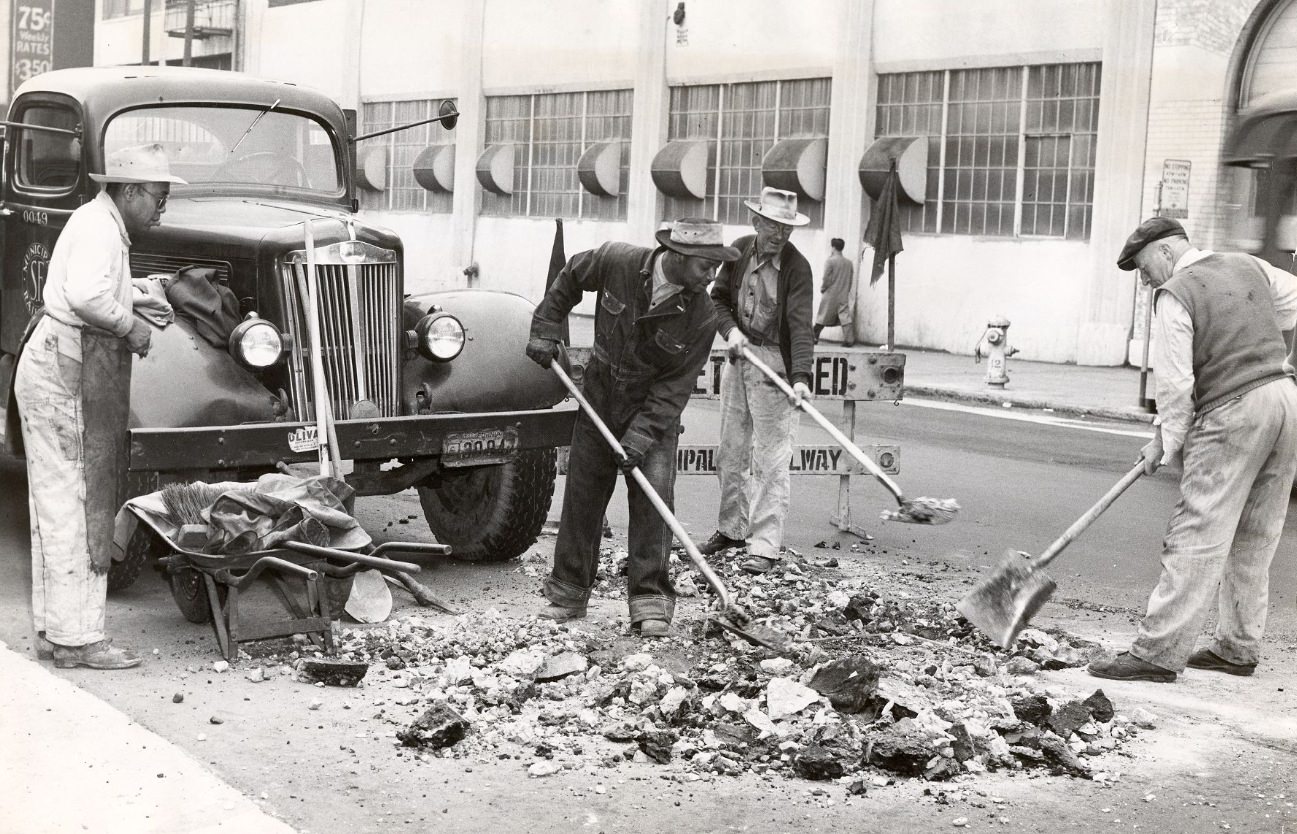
(432,391)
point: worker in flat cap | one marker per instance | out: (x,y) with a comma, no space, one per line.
(653,331)
(73,385)
(1227,414)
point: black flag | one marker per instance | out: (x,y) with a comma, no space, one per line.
(884,229)
(556,261)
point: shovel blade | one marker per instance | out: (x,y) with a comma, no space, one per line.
(1003,603)
(737,621)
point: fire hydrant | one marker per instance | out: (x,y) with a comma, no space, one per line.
(994,344)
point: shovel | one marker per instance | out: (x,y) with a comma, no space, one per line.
(732,618)
(1003,603)
(912,510)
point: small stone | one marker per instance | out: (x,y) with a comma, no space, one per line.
(778,666)
(1100,706)
(438,727)
(316,703)
(544,767)
(1020,665)
(959,822)
(257,674)
(178,698)
(216,719)
(562,665)
(202,736)
(1143,718)
(221,666)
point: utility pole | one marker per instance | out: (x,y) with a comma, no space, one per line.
(189,33)
(148,21)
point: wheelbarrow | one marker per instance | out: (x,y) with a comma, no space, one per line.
(307,580)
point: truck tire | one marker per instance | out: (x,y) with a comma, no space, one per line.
(492,513)
(142,549)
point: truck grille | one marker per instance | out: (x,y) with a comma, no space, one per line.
(360,334)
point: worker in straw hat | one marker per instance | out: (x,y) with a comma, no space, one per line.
(653,331)
(763,300)
(73,384)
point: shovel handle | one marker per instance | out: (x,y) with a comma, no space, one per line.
(834,432)
(1078,527)
(656,500)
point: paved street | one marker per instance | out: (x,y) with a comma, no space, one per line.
(1021,479)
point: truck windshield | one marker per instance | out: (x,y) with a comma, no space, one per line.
(234,146)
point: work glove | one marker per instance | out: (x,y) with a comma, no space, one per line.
(735,342)
(542,351)
(800,392)
(633,460)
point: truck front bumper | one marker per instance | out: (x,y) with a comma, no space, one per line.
(263,445)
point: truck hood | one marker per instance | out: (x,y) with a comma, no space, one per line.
(217,222)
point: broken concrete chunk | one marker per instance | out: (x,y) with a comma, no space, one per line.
(522,663)
(1143,718)
(847,683)
(1067,718)
(543,768)
(561,665)
(817,763)
(1022,666)
(779,666)
(1034,709)
(1100,706)
(901,750)
(656,744)
(438,727)
(1060,757)
(785,696)
(332,671)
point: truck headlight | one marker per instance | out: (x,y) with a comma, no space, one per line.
(256,343)
(440,336)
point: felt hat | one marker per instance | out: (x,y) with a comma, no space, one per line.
(696,237)
(1152,229)
(778,205)
(138,163)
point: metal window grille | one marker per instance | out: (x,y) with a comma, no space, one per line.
(744,121)
(403,192)
(1011,149)
(550,131)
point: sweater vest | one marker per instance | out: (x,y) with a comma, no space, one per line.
(1237,345)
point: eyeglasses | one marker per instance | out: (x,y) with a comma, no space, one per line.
(160,198)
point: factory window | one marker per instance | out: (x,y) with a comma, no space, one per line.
(744,121)
(122,8)
(1010,149)
(403,192)
(549,132)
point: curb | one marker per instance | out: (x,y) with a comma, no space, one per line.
(1131,415)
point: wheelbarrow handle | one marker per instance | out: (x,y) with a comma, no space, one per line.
(354,558)
(656,500)
(834,432)
(425,548)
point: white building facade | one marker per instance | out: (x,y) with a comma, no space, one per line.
(1048,125)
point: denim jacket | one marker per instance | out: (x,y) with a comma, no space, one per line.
(646,361)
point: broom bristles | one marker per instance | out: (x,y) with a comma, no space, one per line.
(185,502)
(924,510)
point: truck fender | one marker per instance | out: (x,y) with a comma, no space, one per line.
(493,372)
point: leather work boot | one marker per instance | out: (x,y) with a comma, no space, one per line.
(560,613)
(1127,667)
(718,542)
(759,564)
(44,648)
(101,655)
(651,629)
(1207,659)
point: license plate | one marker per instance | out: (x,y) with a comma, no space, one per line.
(477,448)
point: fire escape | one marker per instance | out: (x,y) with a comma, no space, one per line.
(211,23)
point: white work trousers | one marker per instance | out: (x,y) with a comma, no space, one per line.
(1239,461)
(68,596)
(757,427)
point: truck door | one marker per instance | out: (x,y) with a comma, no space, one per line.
(44,179)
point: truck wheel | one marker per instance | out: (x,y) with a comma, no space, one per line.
(142,549)
(492,513)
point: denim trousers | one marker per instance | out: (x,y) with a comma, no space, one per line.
(73,391)
(1239,463)
(592,476)
(757,427)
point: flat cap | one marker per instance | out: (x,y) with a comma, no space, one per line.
(1154,228)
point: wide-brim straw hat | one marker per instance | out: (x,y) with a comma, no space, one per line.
(138,164)
(698,238)
(778,205)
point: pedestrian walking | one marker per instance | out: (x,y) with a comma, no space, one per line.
(837,295)
(1227,410)
(653,331)
(763,301)
(73,384)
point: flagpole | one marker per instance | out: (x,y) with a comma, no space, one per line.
(891,302)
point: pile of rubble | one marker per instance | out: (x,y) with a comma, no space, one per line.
(878,683)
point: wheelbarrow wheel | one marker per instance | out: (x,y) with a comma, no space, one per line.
(143,548)
(190,595)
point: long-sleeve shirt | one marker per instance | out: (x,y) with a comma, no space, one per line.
(1172,349)
(89,275)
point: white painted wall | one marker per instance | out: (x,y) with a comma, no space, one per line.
(313,44)
(771,38)
(535,46)
(409,46)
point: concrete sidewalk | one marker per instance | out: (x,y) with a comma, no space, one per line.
(70,762)
(1076,390)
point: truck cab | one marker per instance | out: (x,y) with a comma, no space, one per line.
(432,392)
